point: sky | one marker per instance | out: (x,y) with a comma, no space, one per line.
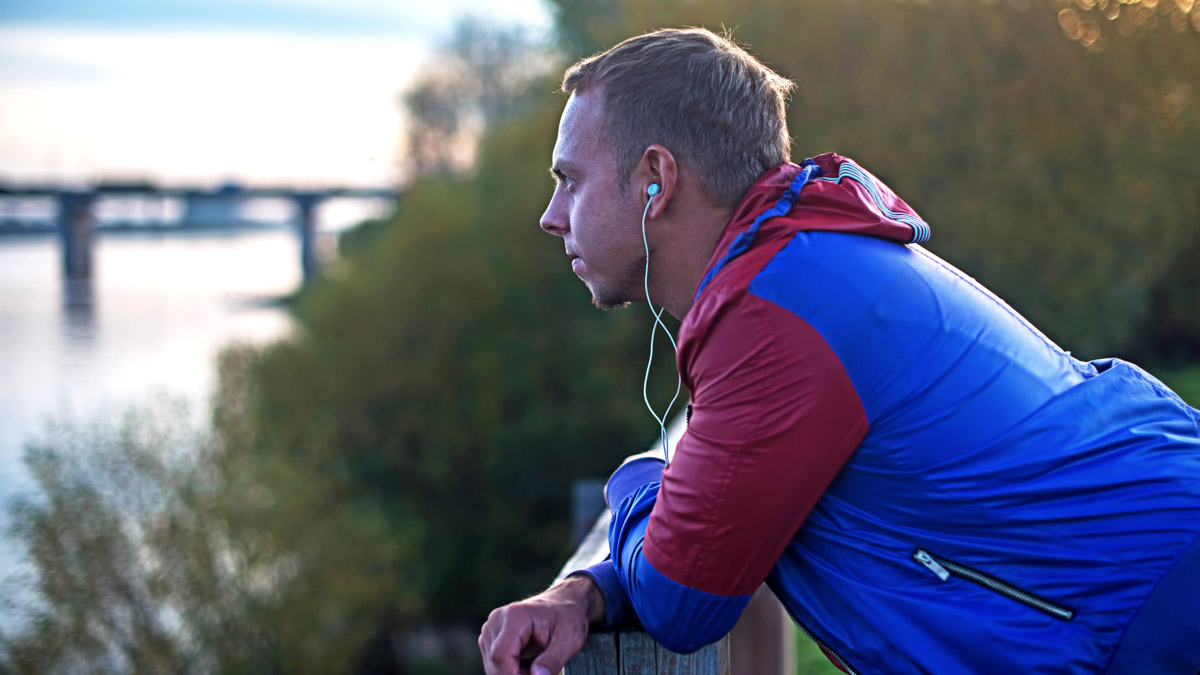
(303,93)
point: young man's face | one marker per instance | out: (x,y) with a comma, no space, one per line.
(599,223)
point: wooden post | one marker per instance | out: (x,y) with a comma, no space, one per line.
(760,643)
(587,501)
(76,227)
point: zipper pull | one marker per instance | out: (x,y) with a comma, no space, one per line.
(926,560)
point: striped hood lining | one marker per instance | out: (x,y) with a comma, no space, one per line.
(849,169)
(823,193)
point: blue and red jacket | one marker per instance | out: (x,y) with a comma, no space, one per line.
(925,481)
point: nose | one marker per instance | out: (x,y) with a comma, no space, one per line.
(556,218)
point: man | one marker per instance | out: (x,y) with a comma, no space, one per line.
(925,481)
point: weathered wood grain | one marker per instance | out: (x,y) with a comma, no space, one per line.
(639,653)
(709,660)
(599,656)
(634,652)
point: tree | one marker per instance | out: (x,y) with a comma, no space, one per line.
(130,574)
(154,549)
(477,79)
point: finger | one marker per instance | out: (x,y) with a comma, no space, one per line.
(485,643)
(487,636)
(503,655)
(487,632)
(565,642)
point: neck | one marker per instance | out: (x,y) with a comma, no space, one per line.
(689,239)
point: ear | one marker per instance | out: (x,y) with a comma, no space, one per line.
(657,166)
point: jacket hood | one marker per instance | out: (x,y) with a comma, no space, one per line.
(825,193)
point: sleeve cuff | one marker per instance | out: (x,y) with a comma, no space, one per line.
(617,609)
(630,477)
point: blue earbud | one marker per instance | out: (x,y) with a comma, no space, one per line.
(653,190)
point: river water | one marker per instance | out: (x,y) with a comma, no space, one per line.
(154,318)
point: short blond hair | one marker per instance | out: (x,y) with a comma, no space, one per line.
(719,110)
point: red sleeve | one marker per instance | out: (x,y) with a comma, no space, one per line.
(774,417)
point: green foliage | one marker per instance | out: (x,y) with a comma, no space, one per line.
(360,239)
(1185,382)
(156,548)
(480,80)
(585,27)
(810,660)
(130,571)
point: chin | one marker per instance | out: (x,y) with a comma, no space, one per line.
(606,299)
(604,304)
(615,294)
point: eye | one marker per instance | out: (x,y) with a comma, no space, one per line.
(560,177)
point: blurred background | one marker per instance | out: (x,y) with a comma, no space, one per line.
(309,389)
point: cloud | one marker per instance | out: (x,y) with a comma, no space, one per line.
(272,90)
(349,17)
(177,104)
(192,14)
(17,66)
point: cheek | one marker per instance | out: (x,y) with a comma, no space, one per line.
(599,222)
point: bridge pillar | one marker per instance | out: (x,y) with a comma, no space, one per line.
(306,224)
(76,228)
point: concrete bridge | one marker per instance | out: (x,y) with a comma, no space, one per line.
(76,221)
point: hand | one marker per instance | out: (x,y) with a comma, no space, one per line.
(550,628)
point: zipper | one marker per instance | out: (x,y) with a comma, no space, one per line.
(818,641)
(944,569)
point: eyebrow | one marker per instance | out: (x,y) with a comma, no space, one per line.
(560,168)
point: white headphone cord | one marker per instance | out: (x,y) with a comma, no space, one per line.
(662,424)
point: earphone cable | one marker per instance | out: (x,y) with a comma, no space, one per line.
(662,425)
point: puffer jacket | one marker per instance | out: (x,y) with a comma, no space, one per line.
(927,482)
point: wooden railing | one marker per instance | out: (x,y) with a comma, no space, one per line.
(760,643)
